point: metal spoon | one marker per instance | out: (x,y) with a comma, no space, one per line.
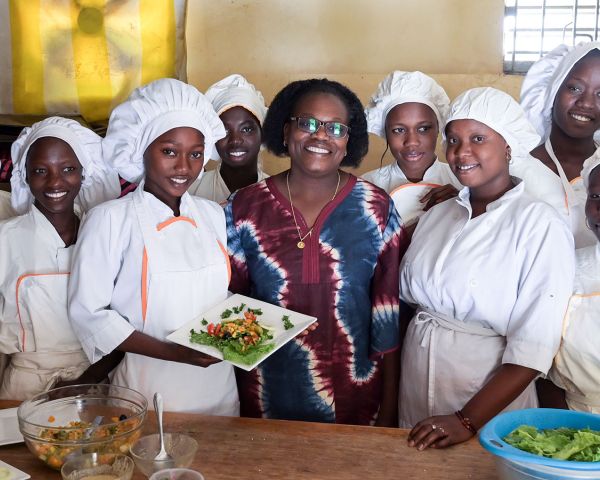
(162,459)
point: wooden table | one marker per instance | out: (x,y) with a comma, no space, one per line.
(247,449)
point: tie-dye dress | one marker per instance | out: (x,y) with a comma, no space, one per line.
(347,276)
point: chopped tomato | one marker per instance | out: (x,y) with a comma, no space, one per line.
(217,329)
(250,316)
(210,329)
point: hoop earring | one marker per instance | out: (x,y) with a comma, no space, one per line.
(587,223)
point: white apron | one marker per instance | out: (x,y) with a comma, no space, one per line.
(54,352)
(579,354)
(445,362)
(407,200)
(184,272)
(575,198)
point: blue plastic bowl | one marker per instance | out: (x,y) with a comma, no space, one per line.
(516,464)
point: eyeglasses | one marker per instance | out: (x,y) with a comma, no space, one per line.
(312,125)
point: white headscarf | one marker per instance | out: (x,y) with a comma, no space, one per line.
(236,91)
(543,80)
(588,166)
(500,112)
(151,111)
(84,142)
(404,87)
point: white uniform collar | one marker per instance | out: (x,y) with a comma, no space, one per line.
(395,171)
(40,220)
(514,193)
(160,211)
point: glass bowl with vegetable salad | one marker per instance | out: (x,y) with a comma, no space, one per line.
(74,420)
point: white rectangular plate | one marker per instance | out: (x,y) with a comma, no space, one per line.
(13,473)
(271,317)
(9,427)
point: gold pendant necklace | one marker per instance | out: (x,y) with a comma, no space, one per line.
(301,238)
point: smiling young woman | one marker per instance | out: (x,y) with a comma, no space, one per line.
(294,240)
(482,273)
(242,109)
(408,110)
(54,161)
(156,258)
(561,95)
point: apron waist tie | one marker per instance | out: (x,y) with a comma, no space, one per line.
(435,319)
(56,365)
(46,362)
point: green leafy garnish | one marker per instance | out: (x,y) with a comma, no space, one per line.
(287,324)
(204,321)
(226,314)
(255,311)
(559,443)
(239,309)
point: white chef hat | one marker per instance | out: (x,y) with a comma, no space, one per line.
(543,80)
(404,87)
(588,166)
(236,91)
(84,142)
(499,111)
(149,112)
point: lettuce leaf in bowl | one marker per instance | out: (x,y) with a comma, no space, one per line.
(558,443)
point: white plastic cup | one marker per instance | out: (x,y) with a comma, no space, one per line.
(177,474)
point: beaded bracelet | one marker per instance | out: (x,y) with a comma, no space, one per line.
(466,422)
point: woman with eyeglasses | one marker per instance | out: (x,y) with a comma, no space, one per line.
(320,241)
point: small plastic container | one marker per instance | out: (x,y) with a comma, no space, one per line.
(90,465)
(177,474)
(181,448)
(515,464)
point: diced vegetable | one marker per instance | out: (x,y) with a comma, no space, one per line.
(242,340)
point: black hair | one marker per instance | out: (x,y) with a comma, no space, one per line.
(283,105)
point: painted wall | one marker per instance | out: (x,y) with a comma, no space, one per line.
(357,42)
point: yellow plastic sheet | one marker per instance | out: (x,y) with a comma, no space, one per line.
(83,57)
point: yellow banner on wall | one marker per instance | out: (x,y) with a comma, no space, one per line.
(83,57)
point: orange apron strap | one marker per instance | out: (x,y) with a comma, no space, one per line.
(226,260)
(19,280)
(144,284)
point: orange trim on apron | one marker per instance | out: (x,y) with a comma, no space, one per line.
(226,260)
(144,284)
(168,222)
(432,185)
(19,280)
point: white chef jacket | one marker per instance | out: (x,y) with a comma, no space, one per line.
(6,210)
(105,295)
(29,245)
(390,177)
(34,326)
(509,269)
(576,367)
(212,186)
